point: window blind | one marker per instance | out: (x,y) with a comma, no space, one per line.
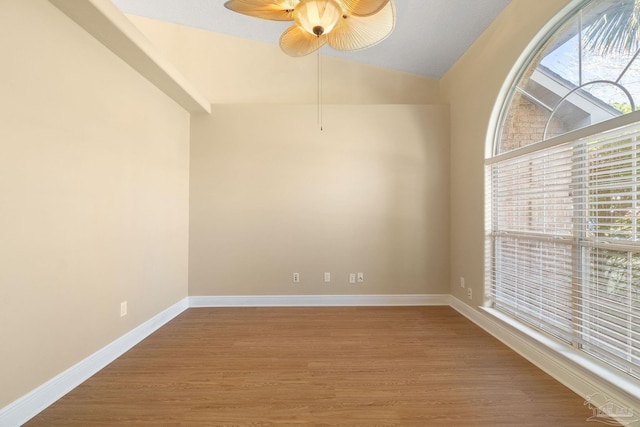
(564,241)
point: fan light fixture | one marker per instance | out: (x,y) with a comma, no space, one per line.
(343,24)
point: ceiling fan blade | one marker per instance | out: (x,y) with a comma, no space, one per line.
(357,32)
(274,10)
(297,42)
(363,7)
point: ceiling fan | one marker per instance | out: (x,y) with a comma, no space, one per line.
(342,24)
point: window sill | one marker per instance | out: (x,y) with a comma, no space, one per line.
(583,374)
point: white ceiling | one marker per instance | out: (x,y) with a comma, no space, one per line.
(430,35)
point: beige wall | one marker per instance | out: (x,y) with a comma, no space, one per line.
(472,87)
(94,196)
(95,178)
(230,70)
(272,194)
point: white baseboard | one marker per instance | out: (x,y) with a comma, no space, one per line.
(317,300)
(28,406)
(25,408)
(577,371)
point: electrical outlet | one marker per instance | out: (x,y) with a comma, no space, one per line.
(296,277)
(462,285)
(123,308)
(352,277)
(327,277)
(360,277)
(469,293)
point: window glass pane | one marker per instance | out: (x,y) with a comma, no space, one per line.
(612,189)
(631,82)
(533,283)
(565,244)
(563,239)
(561,56)
(586,73)
(610,314)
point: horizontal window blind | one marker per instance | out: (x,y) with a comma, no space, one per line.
(564,242)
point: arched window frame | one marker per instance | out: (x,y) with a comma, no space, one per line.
(625,126)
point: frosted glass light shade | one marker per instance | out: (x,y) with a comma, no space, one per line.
(317,17)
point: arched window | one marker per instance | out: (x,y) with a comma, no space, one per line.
(563,187)
(587,72)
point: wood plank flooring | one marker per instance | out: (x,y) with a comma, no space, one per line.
(365,366)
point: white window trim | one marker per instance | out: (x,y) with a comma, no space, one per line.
(518,69)
(579,357)
(581,133)
(581,373)
(574,368)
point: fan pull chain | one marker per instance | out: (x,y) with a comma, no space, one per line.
(319,90)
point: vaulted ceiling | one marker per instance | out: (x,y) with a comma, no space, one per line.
(429,36)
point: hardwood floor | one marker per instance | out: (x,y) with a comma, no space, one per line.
(366,366)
